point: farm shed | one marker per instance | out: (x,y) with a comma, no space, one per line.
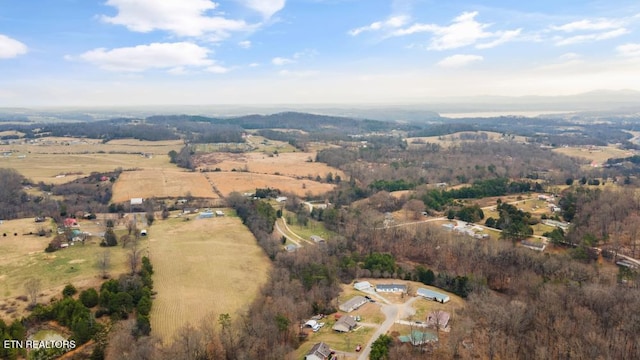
(143,232)
(538,246)
(319,351)
(219,213)
(391,288)
(362,285)
(345,324)
(433,295)
(353,303)
(136,201)
(206,214)
(291,248)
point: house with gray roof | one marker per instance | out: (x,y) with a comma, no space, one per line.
(345,324)
(353,303)
(319,351)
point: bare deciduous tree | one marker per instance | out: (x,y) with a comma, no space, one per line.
(134,258)
(33,286)
(104,263)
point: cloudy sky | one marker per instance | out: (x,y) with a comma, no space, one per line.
(146,52)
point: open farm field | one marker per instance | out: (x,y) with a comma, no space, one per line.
(294,164)
(202,267)
(161,183)
(11,133)
(22,257)
(463,136)
(597,154)
(228,182)
(63,145)
(59,160)
(63,168)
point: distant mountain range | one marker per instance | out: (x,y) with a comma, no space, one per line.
(600,101)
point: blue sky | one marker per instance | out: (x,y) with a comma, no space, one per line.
(147,52)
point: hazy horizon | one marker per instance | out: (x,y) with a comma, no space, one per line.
(276,52)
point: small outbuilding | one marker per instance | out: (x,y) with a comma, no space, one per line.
(136,201)
(317,239)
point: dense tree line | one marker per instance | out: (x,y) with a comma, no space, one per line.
(13,331)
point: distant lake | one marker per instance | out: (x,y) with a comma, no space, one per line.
(488,114)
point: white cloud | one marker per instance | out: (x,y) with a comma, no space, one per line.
(561,41)
(10,48)
(180,17)
(172,56)
(460,60)
(503,37)
(590,30)
(217,69)
(280,61)
(246,44)
(588,25)
(463,31)
(265,7)
(254,65)
(629,50)
(392,22)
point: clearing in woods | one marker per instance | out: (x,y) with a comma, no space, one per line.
(202,267)
(294,164)
(228,182)
(161,184)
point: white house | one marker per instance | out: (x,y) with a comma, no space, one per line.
(391,288)
(433,295)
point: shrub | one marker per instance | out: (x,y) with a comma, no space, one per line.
(69,291)
(89,297)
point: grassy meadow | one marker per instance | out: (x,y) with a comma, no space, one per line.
(202,267)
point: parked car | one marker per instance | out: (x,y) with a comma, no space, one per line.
(358,347)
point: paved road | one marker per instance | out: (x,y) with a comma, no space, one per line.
(391,314)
